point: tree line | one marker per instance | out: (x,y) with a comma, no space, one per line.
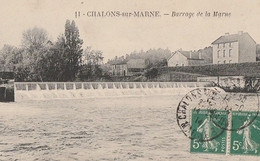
(40,59)
(154,57)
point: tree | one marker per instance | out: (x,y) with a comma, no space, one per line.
(57,62)
(34,48)
(91,66)
(73,45)
(61,61)
(10,56)
(151,73)
(34,39)
(41,60)
(155,57)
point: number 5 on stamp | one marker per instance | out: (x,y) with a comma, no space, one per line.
(245,139)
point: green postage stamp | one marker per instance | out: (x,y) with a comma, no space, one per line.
(220,123)
(208,137)
(245,138)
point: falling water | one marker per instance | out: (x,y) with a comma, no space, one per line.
(70,90)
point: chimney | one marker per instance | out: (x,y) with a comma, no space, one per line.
(227,34)
(190,54)
(240,32)
(199,55)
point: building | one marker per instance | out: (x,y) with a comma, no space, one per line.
(225,81)
(136,66)
(185,58)
(128,68)
(235,48)
(119,68)
(258,52)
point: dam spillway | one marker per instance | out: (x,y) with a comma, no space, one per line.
(77,90)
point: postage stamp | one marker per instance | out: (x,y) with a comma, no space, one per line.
(219,122)
(206,136)
(245,140)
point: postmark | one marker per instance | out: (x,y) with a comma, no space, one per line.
(238,103)
(218,122)
(198,101)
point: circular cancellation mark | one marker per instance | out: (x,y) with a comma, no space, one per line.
(203,113)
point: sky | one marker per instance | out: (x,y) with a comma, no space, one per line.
(120,35)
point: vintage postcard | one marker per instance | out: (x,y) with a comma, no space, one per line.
(129,80)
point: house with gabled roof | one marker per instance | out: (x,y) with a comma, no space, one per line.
(128,67)
(136,66)
(234,48)
(186,58)
(119,68)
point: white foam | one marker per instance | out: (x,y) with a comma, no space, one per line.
(103,90)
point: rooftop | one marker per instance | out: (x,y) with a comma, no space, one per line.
(192,55)
(136,63)
(227,38)
(118,62)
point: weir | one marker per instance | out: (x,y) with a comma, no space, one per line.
(74,90)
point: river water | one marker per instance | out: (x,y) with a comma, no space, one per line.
(127,128)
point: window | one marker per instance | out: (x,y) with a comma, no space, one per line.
(224,45)
(230,61)
(182,64)
(224,61)
(230,52)
(218,53)
(230,44)
(218,45)
(224,53)
(176,65)
(218,62)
